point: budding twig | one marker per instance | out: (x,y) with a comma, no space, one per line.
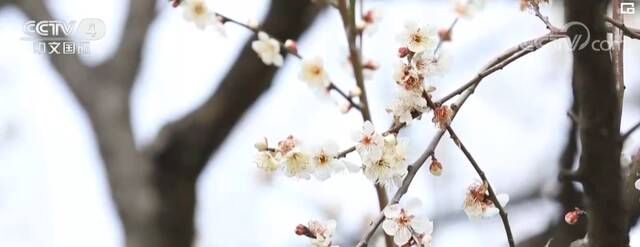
(256,29)
(496,64)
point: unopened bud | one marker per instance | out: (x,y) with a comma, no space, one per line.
(360,26)
(302,230)
(444,34)
(391,139)
(369,16)
(291,46)
(572,217)
(355,92)
(262,144)
(403,52)
(435,167)
(253,24)
(346,107)
(371,65)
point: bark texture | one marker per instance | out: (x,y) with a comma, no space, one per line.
(155,189)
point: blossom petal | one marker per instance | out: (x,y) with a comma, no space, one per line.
(490,212)
(503,199)
(392,211)
(412,205)
(390,226)
(402,236)
(422,225)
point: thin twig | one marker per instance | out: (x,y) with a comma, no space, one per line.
(440,42)
(492,194)
(544,19)
(626,135)
(332,86)
(493,66)
(630,32)
(617,55)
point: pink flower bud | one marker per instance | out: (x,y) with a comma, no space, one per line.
(291,46)
(403,52)
(444,34)
(435,167)
(572,217)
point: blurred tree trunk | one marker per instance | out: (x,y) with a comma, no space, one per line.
(155,189)
(598,128)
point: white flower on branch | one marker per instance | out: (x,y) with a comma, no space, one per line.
(406,104)
(314,74)
(427,65)
(323,231)
(268,49)
(478,203)
(297,163)
(370,143)
(417,38)
(320,233)
(391,167)
(324,162)
(198,12)
(401,223)
(267,162)
(408,77)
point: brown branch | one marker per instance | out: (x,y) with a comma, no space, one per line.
(492,194)
(347,14)
(599,129)
(626,135)
(630,32)
(495,65)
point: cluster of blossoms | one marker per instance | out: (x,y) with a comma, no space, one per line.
(478,203)
(320,232)
(383,157)
(294,161)
(417,41)
(406,228)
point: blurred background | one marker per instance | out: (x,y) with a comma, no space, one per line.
(53,185)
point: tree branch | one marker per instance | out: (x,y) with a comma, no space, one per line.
(496,64)
(630,32)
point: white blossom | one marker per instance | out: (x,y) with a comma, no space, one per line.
(637,184)
(268,49)
(391,167)
(266,161)
(417,38)
(370,143)
(478,204)
(406,103)
(296,163)
(314,74)
(324,162)
(323,231)
(198,12)
(401,223)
